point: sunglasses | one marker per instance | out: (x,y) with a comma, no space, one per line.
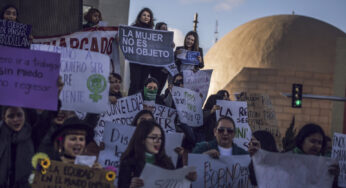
(222,130)
(155,138)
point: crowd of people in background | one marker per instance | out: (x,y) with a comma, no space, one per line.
(62,135)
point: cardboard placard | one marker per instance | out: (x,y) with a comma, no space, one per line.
(14,34)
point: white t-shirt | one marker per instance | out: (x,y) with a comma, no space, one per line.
(225,151)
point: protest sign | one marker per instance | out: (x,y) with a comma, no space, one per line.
(172,69)
(227,171)
(188,57)
(165,116)
(339,153)
(60,174)
(238,112)
(261,114)
(14,34)
(287,170)
(116,138)
(121,113)
(28,78)
(95,39)
(198,81)
(85,76)
(146,46)
(173,140)
(156,177)
(189,106)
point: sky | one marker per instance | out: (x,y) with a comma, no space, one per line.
(230,14)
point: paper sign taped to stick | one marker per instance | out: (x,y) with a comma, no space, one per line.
(198,81)
(14,34)
(287,170)
(189,106)
(121,113)
(227,171)
(146,46)
(85,76)
(238,112)
(28,78)
(156,177)
(339,154)
(61,174)
(165,116)
(95,39)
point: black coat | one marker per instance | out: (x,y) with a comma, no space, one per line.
(16,151)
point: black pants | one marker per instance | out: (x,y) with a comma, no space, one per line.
(138,75)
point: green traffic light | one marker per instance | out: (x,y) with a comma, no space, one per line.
(298,102)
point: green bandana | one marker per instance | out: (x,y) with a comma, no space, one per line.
(149,158)
(149,95)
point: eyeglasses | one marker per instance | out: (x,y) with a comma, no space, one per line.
(222,130)
(155,138)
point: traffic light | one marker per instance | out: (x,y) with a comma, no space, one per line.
(297,95)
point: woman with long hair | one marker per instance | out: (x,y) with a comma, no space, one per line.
(191,43)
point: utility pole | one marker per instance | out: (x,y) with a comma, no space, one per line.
(195,22)
(216,32)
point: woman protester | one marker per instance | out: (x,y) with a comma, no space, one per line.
(93,17)
(115,81)
(16,148)
(260,140)
(191,43)
(139,73)
(146,146)
(10,12)
(141,116)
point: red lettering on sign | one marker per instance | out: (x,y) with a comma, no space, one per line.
(82,42)
(74,43)
(94,46)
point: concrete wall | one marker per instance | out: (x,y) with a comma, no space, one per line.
(49,17)
(274,81)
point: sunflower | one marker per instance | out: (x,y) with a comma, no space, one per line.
(43,171)
(110,176)
(45,163)
(37,157)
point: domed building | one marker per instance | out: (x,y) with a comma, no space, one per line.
(269,54)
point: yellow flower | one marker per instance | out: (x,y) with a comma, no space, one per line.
(36,158)
(45,163)
(110,176)
(43,171)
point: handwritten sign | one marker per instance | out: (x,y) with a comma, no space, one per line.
(287,170)
(85,76)
(238,112)
(28,78)
(121,113)
(189,106)
(95,39)
(173,140)
(61,174)
(198,81)
(227,171)
(146,46)
(165,116)
(339,153)
(261,114)
(14,34)
(116,138)
(172,69)
(156,177)
(189,57)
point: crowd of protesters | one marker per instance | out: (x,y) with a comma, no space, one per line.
(62,135)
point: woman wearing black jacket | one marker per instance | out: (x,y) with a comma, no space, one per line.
(191,43)
(139,73)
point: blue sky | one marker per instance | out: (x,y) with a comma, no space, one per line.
(178,14)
